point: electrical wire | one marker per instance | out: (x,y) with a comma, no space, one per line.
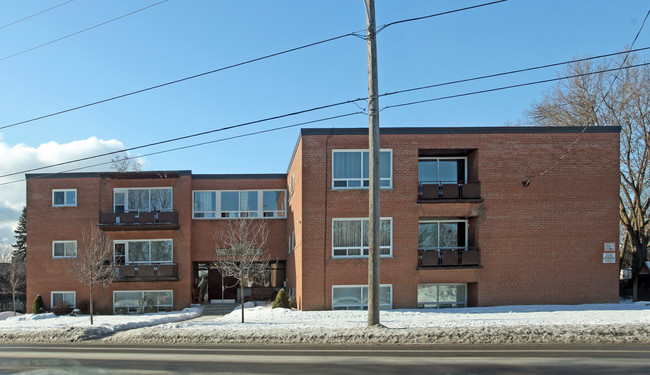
(44,175)
(510,87)
(80,31)
(352,101)
(35,14)
(354,34)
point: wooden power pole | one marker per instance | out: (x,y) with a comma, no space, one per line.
(373,159)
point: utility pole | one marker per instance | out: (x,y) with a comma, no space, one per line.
(373,168)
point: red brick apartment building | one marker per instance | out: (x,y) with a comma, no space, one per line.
(470,217)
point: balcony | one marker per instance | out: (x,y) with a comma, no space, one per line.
(433,191)
(147,272)
(455,257)
(138,220)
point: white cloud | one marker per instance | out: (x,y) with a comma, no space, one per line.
(22,157)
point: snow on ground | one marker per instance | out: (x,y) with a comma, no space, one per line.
(104,323)
(6,314)
(596,323)
(263,317)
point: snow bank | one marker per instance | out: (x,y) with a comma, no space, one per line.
(6,314)
(53,328)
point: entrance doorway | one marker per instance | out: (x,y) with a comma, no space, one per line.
(212,286)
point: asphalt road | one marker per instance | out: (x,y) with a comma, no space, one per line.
(309,359)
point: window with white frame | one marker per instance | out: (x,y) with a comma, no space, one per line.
(350,169)
(225,204)
(143,251)
(355,297)
(64,249)
(64,197)
(350,237)
(442,234)
(142,200)
(141,301)
(442,295)
(58,298)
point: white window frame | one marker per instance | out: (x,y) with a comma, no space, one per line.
(125,191)
(65,203)
(126,251)
(425,221)
(258,214)
(360,306)
(76,249)
(444,303)
(362,248)
(171,305)
(52,293)
(429,158)
(362,179)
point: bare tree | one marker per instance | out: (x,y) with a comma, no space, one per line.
(615,98)
(125,164)
(12,276)
(93,264)
(240,253)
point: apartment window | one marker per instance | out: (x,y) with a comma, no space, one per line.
(64,198)
(239,203)
(141,301)
(205,204)
(355,297)
(143,251)
(142,199)
(350,169)
(57,298)
(274,203)
(64,249)
(442,295)
(350,237)
(444,234)
(442,170)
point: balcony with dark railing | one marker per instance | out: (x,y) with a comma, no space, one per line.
(454,257)
(138,220)
(437,191)
(147,272)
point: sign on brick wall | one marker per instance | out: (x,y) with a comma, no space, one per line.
(609,257)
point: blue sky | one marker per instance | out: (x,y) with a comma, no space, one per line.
(176,39)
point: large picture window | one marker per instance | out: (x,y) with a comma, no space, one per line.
(350,169)
(350,237)
(142,200)
(142,301)
(64,198)
(355,297)
(442,170)
(239,203)
(143,251)
(58,298)
(64,249)
(444,234)
(442,295)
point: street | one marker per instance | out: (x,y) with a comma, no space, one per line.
(310,359)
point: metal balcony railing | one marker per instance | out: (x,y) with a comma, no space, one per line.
(149,272)
(438,257)
(440,190)
(138,220)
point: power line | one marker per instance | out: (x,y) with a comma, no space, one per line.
(354,101)
(191,146)
(509,87)
(226,68)
(311,110)
(186,136)
(35,14)
(437,14)
(81,31)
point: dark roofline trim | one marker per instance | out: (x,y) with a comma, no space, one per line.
(101,174)
(465,130)
(243,176)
